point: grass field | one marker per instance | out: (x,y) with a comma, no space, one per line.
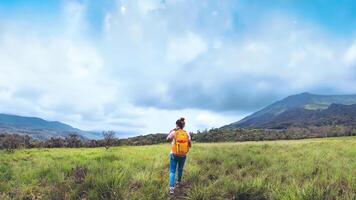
(301,169)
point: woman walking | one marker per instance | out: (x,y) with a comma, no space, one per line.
(181,142)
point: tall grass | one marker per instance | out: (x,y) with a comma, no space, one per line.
(304,169)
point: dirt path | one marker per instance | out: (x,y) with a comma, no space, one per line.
(181,192)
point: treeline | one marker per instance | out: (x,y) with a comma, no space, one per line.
(292,133)
(15,141)
(144,139)
(240,135)
(10,142)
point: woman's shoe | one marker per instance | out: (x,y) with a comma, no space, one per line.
(171,190)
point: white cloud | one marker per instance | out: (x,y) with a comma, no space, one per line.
(350,54)
(54,77)
(185,49)
(73,15)
(154,62)
(108,22)
(123,10)
(161,120)
(146,6)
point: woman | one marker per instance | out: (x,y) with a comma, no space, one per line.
(181,142)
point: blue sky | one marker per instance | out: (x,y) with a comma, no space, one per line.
(135,66)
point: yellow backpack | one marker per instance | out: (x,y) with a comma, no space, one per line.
(181,143)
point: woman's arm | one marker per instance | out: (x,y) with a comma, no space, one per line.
(190,140)
(170,135)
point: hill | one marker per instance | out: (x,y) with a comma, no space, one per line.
(39,128)
(303,109)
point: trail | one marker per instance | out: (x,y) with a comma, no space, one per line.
(181,192)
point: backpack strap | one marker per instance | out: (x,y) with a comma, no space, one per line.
(175,135)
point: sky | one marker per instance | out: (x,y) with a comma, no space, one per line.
(135,66)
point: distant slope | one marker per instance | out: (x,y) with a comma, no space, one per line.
(335,114)
(39,128)
(302,109)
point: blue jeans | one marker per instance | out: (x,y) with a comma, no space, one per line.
(174,161)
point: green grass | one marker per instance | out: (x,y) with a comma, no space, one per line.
(302,169)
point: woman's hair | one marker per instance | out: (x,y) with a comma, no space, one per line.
(180,122)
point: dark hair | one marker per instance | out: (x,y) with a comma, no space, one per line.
(180,122)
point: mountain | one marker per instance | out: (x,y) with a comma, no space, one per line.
(302,109)
(39,128)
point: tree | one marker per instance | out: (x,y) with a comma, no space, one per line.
(73,140)
(109,138)
(55,142)
(91,143)
(10,142)
(27,141)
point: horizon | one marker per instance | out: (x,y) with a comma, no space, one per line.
(137,66)
(124,135)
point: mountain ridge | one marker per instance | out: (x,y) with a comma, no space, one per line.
(39,128)
(298,103)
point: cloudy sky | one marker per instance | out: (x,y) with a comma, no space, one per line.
(135,66)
